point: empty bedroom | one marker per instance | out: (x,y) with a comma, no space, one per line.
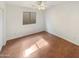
(39,29)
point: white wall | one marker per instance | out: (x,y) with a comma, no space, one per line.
(2,24)
(14,22)
(63,20)
(1,29)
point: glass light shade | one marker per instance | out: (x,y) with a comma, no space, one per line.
(42,6)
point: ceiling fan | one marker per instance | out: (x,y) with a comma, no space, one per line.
(40,5)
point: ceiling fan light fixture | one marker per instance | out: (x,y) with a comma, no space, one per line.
(41,6)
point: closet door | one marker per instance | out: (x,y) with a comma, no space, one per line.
(1,29)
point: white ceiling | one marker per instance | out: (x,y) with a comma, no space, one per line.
(31,4)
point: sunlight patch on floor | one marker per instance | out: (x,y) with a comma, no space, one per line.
(30,50)
(39,44)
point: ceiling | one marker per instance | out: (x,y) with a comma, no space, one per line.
(32,4)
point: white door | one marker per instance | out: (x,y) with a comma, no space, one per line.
(1,29)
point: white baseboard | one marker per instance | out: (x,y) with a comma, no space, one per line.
(0,48)
(10,38)
(5,43)
(65,38)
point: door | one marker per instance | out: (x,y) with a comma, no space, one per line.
(1,29)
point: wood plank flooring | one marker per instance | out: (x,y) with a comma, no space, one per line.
(39,45)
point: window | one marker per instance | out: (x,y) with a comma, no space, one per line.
(29,18)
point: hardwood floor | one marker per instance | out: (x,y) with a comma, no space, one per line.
(40,45)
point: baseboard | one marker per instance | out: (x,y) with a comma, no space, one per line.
(64,38)
(0,48)
(26,35)
(51,34)
(5,43)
